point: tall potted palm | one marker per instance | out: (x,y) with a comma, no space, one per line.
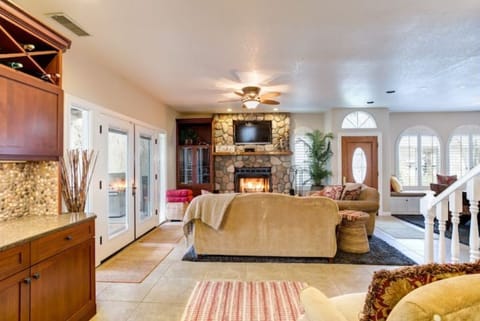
(319,153)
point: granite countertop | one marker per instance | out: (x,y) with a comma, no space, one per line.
(24,229)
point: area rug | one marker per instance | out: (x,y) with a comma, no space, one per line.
(381,253)
(244,301)
(170,232)
(134,263)
(419,220)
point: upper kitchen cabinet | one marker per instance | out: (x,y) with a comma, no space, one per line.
(31,96)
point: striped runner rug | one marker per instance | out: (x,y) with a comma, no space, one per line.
(244,301)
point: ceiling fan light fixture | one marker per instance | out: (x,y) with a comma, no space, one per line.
(251,103)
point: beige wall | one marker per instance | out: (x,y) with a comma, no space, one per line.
(87,79)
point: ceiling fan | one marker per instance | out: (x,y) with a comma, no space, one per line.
(251,98)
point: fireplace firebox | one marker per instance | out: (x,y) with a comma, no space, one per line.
(253,179)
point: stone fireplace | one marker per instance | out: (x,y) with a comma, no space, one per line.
(275,156)
(253,179)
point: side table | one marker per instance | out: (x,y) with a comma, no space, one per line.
(352,236)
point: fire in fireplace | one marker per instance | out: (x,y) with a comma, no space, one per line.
(253,179)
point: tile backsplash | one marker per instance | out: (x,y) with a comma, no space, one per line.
(29,188)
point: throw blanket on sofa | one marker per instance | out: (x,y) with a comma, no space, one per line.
(208,208)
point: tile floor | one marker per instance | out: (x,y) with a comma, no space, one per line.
(163,295)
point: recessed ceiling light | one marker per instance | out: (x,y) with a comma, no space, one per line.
(370,102)
(390,91)
(229,109)
(275,109)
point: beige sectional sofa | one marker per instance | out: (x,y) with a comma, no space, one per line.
(266,224)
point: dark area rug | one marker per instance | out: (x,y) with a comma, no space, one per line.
(381,253)
(419,220)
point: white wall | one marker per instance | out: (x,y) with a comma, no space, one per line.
(87,79)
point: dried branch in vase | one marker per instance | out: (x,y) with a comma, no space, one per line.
(76,171)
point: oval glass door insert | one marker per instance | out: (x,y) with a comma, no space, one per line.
(359,165)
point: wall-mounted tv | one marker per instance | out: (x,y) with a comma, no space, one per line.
(252,132)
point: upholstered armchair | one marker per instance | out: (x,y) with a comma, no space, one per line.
(455,298)
(432,292)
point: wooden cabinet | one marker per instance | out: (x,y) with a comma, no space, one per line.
(194,168)
(31,118)
(31,97)
(15,297)
(194,154)
(59,281)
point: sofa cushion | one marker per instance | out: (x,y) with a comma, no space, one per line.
(446,300)
(388,287)
(318,307)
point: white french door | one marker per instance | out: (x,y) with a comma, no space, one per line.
(114,192)
(127,191)
(146,176)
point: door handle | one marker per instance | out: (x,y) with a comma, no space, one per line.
(27,280)
(36,276)
(68,238)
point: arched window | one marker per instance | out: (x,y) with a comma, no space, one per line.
(359,119)
(418,157)
(463,149)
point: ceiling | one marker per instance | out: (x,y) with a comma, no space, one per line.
(320,54)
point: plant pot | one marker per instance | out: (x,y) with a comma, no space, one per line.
(316,187)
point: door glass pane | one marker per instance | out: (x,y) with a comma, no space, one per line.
(145,193)
(185,165)
(203,166)
(359,165)
(78,128)
(117,184)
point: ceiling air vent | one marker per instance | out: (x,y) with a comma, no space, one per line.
(68,23)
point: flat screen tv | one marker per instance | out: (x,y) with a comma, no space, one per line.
(252,132)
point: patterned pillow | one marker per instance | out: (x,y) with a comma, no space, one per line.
(332,191)
(447,180)
(351,195)
(389,287)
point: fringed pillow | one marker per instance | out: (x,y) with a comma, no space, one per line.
(389,287)
(332,191)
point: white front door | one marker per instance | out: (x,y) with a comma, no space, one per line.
(146,176)
(114,193)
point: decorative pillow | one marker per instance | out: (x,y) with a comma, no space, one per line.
(351,191)
(332,191)
(352,195)
(447,180)
(389,287)
(395,185)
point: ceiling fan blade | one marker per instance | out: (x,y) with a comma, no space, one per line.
(240,93)
(270,95)
(269,102)
(228,101)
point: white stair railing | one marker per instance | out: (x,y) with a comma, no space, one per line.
(438,207)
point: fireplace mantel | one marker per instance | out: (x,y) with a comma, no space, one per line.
(258,153)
